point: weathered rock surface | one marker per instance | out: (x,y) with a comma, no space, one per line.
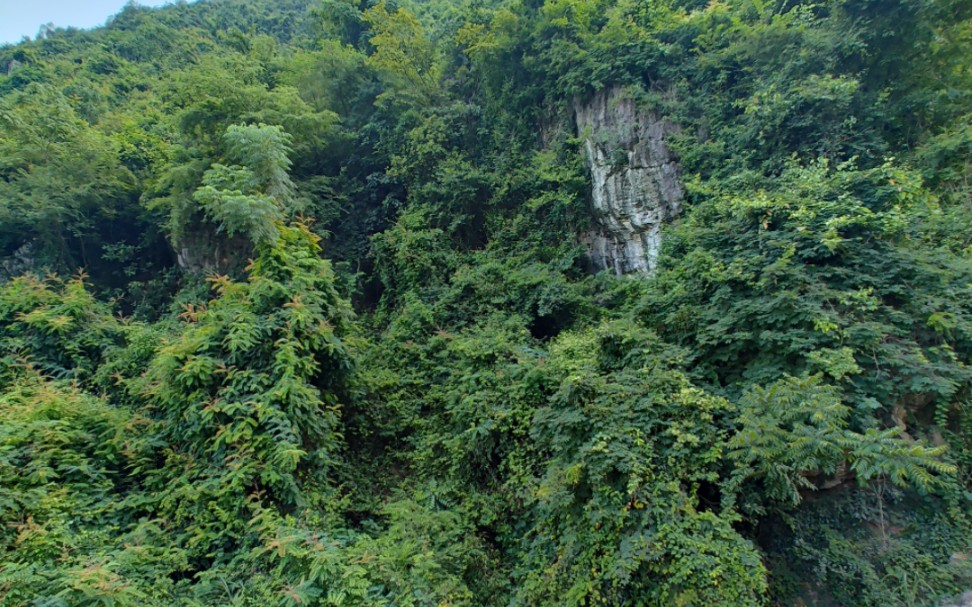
(19,262)
(961,601)
(634,176)
(201,251)
(12,66)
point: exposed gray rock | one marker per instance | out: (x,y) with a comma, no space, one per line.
(201,251)
(962,601)
(635,186)
(21,261)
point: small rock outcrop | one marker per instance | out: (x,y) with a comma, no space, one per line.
(12,66)
(19,262)
(634,176)
(200,250)
(961,601)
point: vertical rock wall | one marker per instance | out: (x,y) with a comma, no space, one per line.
(19,262)
(635,186)
(200,250)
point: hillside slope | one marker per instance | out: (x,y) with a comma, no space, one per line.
(512,302)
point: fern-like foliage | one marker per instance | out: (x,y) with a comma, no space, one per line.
(249,393)
(65,461)
(798,427)
(55,326)
(249,198)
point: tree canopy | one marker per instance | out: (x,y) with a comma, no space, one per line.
(298,307)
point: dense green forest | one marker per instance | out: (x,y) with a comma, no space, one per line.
(325,302)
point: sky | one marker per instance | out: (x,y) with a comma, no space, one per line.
(19,18)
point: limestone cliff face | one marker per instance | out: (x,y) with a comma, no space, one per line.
(201,251)
(635,186)
(19,262)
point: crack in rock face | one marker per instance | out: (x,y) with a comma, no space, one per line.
(634,177)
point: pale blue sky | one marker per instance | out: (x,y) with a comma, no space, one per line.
(19,18)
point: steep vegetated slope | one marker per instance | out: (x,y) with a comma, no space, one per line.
(527,302)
